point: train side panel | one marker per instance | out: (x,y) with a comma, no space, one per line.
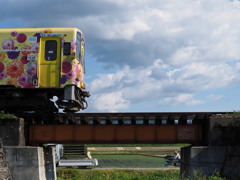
(22,55)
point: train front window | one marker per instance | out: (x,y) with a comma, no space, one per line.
(66,48)
(78,44)
(51,50)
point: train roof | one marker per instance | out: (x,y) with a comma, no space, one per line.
(41,29)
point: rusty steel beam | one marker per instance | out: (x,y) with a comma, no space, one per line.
(97,134)
(172,127)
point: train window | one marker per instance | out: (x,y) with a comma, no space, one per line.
(164,121)
(51,50)
(189,121)
(90,122)
(176,121)
(78,44)
(103,122)
(114,121)
(151,122)
(139,121)
(67,48)
(127,122)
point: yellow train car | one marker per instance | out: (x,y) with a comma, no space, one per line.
(37,64)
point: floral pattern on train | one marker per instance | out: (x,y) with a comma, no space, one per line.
(19,60)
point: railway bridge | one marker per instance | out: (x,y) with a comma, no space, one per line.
(97,128)
(207,131)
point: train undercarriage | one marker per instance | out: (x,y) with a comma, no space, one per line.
(42,100)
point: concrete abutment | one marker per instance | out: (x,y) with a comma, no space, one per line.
(222,153)
(211,160)
(25,162)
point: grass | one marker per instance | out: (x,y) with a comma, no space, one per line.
(116,152)
(137,145)
(117,174)
(126,161)
(148,151)
(5,115)
(74,174)
(119,159)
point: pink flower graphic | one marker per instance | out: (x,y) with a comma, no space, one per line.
(23,80)
(63,41)
(66,66)
(63,79)
(14,33)
(3,75)
(8,44)
(24,59)
(73,45)
(21,38)
(15,69)
(70,74)
(32,68)
(1,67)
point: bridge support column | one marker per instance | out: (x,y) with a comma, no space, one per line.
(207,160)
(24,162)
(28,162)
(12,132)
(50,165)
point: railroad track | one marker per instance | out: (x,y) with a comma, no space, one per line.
(124,118)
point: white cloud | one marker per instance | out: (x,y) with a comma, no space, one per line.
(215,97)
(178,32)
(126,30)
(183,55)
(163,84)
(184,99)
(107,82)
(109,102)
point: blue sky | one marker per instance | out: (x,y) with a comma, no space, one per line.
(148,55)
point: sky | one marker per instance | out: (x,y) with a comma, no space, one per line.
(148,55)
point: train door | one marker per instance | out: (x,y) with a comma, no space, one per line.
(49,62)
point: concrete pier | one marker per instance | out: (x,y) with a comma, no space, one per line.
(222,153)
(50,164)
(24,162)
(209,160)
(28,162)
(12,132)
(204,160)
(4,169)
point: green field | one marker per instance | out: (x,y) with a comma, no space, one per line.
(126,161)
(128,152)
(74,174)
(133,160)
(117,174)
(137,145)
